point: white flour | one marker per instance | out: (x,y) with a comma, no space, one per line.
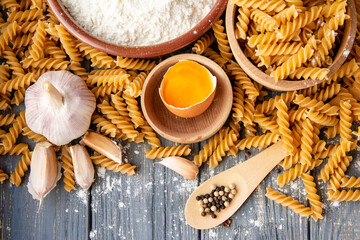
(138,22)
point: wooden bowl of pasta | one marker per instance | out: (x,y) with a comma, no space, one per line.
(265,50)
(137,51)
(186,130)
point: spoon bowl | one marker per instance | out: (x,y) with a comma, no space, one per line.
(290,85)
(245,176)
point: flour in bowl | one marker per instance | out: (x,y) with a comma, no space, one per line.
(138,22)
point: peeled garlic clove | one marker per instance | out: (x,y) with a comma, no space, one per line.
(83,166)
(103,145)
(44,171)
(182,166)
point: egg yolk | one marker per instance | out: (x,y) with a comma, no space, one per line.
(185,84)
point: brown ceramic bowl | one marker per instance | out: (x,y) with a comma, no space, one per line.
(143,51)
(289,85)
(186,130)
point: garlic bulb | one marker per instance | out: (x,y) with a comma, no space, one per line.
(44,171)
(182,166)
(83,166)
(103,145)
(59,106)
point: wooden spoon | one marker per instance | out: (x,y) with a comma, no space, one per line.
(245,176)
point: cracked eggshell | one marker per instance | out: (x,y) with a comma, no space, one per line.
(60,124)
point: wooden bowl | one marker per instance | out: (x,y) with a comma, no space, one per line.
(289,85)
(186,130)
(137,52)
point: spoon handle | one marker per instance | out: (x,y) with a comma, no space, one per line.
(254,170)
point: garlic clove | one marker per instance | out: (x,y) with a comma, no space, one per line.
(59,106)
(44,171)
(182,166)
(103,145)
(83,167)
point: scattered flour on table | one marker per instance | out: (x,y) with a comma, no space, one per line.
(93,234)
(82,194)
(101,172)
(335,204)
(121,205)
(138,22)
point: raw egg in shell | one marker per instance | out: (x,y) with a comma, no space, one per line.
(187,89)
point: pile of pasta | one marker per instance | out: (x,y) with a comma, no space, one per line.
(291,39)
(32,42)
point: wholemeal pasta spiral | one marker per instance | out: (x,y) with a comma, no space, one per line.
(124,168)
(46,63)
(306,142)
(13,62)
(266,107)
(78,70)
(17,149)
(36,49)
(98,59)
(344,195)
(68,43)
(208,148)
(14,131)
(101,91)
(119,80)
(266,123)
(340,152)
(339,173)
(286,15)
(314,198)
(221,38)
(21,168)
(134,112)
(322,118)
(242,23)
(16,83)
(67,165)
(135,87)
(11,5)
(265,20)
(284,131)
(296,172)
(351,182)
(150,135)
(121,123)
(7,119)
(25,16)
(223,146)
(295,61)
(243,80)
(203,43)
(281,49)
(106,127)
(310,73)
(265,5)
(290,160)
(26,131)
(316,105)
(258,141)
(288,201)
(135,63)
(162,152)
(238,103)
(213,55)
(9,34)
(346,119)
(328,92)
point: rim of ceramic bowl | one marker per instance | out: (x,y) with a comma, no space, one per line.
(193,34)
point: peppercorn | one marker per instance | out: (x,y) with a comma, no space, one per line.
(198,198)
(224,198)
(217,189)
(216,193)
(226,204)
(247,154)
(213,208)
(200,202)
(210,199)
(203,214)
(213,216)
(208,205)
(233,191)
(205,201)
(231,195)
(221,193)
(222,206)
(202,209)
(227,223)
(212,186)
(207,210)
(227,189)
(231,186)
(207,195)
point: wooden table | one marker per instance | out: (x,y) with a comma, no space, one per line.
(150,205)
